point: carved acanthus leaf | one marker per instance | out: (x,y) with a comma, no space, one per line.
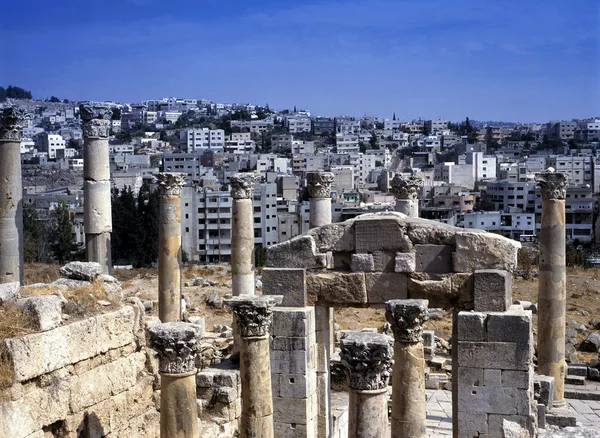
(407,318)
(406,187)
(252,313)
(96,120)
(553,185)
(368,357)
(319,184)
(12,122)
(242,185)
(170,183)
(177,344)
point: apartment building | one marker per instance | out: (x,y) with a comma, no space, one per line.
(346,143)
(507,196)
(206,221)
(193,139)
(511,225)
(298,124)
(54,145)
(484,166)
(389,124)
(323,126)
(433,126)
(579,170)
(254,126)
(455,174)
(347,125)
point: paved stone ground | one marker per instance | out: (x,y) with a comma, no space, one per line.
(439,413)
(588,412)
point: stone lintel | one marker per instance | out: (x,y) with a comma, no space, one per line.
(319,184)
(368,356)
(177,344)
(252,313)
(406,318)
(242,185)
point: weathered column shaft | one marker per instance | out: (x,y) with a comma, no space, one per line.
(552,282)
(368,356)
(177,345)
(169,246)
(252,315)
(97,214)
(406,191)
(319,192)
(408,380)
(11,196)
(242,234)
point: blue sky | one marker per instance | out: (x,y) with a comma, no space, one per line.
(526,60)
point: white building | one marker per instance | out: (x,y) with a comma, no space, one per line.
(507,195)
(54,145)
(579,170)
(193,139)
(455,174)
(389,124)
(484,166)
(298,124)
(511,225)
(346,143)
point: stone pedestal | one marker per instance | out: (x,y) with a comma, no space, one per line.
(169,246)
(177,344)
(319,192)
(368,356)
(242,234)
(406,190)
(12,122)
(96,184)
(252,316)
(552,282)
(408,381)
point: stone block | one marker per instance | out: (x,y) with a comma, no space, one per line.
(497,425)
(511,326)
(493,400)
(477,250)
(293,410)
(280,343)
(463,290)
(362,263)
(502,355)
(294,385)
(342,261)
(292,322)
(471,326)
(337,288)
(428,339)
(405,262)
(384,261)
(298,252)
(543,388)
(289,282)
(437,291)
(86,271)
(385,286)
(433,259)
(492,377)
(541,416)
(470,377)
(380,233)
(428,232)
(294,430)
(473,422)
(115,329)
(334,237)
(9,292)
(516,379)
(492,290)
(291,362)
(44,311)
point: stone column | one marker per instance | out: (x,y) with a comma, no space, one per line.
(177,344)
(408,380)
(169,246)
(368,356)
(252,316)
(552,281)
(12,122)
(242,234)
(319,193)
(406,191)
(97,216)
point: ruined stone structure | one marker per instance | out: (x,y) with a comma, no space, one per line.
(12,122)
(252,316)
(169,245)
(177,344)
(552,299)
(96,185)
(379,258)
(406,191)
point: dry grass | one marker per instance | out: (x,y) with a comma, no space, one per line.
(13,323)
(125,275)
(40,273)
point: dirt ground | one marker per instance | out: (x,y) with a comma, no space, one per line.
(583,297)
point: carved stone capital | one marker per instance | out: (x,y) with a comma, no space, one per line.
(406,187)
(406,318)
(252,313)
(242,185)
(553,185)
(96,120)
(12,122)
(170,183)
(368,356)
(319,184)
(177,344)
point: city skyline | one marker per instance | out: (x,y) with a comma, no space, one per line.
(509,62)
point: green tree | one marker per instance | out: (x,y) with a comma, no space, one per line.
(2,94)
(54,99)
(17,93)
(148,212)
(62,246)
(373,143)
(35,236)
(126,226)
(116,113)
(260,255)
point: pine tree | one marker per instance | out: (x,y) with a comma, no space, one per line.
(63,245)
(148,212)
(35,236)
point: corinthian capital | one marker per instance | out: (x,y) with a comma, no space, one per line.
(177,344)
(242,185)
(96,120)
(252,313)
(406,318)
(12,122)
(170,183)
(406,187)
(368,356)
(553,185)
(319,184)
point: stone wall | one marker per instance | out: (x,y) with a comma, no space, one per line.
(88,378)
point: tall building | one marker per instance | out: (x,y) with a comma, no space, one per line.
(201,138)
